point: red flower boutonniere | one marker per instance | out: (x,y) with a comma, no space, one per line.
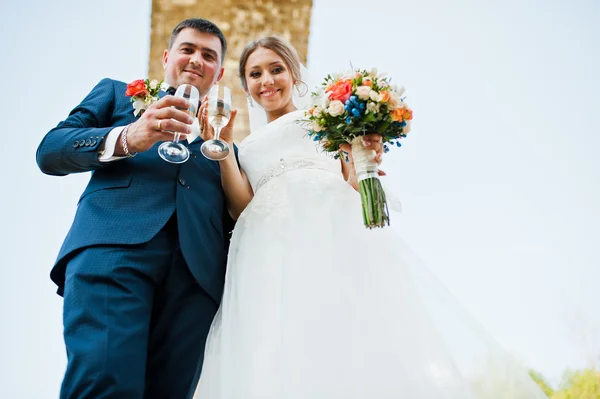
(143,93)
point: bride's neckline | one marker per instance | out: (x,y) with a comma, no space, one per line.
(284,116)
(257,132)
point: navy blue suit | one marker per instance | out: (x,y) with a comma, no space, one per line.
(142,267)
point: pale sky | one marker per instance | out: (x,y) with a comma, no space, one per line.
(499,177)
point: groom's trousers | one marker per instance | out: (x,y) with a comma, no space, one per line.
(135,321)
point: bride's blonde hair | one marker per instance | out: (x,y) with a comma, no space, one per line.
(278,45)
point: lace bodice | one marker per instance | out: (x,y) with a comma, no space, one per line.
(279,147)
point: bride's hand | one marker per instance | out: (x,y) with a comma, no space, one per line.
(373,141)
(207,132)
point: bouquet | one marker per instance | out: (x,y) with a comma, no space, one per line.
(350,106)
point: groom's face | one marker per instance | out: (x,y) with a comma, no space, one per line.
(194,58)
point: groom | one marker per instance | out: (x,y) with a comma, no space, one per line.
(142,268)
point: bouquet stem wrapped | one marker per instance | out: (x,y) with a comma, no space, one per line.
(374,204)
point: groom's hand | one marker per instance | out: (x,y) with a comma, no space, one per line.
(158,123)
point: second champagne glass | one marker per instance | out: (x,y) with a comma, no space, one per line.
(174,151)
(219,111)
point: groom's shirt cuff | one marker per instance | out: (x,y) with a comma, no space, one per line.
(107,155)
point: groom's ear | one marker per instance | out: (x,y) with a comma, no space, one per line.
(165,58)
(221,74)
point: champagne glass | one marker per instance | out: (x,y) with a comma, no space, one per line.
(174,151)
(219,111)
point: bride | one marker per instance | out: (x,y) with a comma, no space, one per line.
(315,305)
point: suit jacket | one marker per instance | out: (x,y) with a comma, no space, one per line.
(128,201)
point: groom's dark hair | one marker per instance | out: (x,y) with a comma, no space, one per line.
(201,25)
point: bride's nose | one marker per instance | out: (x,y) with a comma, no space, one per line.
(267,79)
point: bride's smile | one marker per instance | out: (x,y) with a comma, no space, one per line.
(269,93)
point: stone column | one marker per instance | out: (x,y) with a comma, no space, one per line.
(240,21)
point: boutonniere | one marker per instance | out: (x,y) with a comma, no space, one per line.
(144,93)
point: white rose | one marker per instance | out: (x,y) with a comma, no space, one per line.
(317,112)
(153,84)
(363,92)
(316,127)
(395,101)
(372,107)
(336,108)
(373,95)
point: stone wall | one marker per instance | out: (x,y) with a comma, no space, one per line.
(240,21)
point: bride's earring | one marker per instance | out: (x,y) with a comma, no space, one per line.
(250,100)
(301,91)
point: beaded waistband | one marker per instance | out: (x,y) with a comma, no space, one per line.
(287,165)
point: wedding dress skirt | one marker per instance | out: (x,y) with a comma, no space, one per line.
(316,306)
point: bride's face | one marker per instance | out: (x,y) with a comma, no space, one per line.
(269,82)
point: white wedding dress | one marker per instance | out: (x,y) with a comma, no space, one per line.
(316,306)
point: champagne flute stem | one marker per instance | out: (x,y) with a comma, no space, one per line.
(217,132)
(176,138)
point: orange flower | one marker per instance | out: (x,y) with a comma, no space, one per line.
(367,82)
(385,96)
(342,91)
(397,115)
(401,114)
